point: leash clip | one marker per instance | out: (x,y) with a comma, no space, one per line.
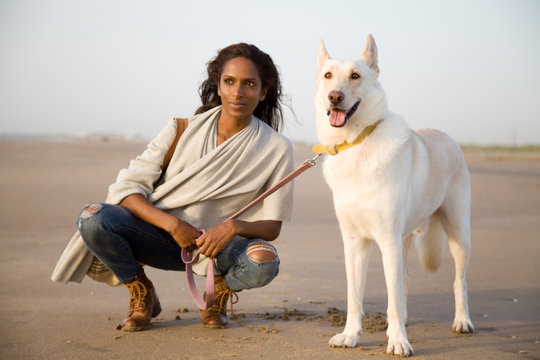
(312,161)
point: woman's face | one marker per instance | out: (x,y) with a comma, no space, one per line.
(240,89)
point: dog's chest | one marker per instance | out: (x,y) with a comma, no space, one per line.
(350,179)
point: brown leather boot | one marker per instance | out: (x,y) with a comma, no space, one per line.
(143,305)
(216,316)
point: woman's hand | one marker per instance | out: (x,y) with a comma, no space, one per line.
(184,234)
(216,238)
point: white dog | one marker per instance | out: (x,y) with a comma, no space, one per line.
(390,185)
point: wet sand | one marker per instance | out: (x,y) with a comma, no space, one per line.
(45,184)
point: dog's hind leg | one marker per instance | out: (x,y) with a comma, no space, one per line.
(460,247)
(356,263)
(456,223)
(392,255)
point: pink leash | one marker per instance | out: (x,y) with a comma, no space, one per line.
(187,255)
(189,261)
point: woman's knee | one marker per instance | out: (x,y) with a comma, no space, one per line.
(264,265)
(92,222)
(261,252)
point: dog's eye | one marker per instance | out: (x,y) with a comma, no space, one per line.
(328,75)
(355,76)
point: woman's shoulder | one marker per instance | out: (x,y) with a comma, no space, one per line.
(275,137)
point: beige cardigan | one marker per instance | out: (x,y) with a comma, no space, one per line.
(203,185)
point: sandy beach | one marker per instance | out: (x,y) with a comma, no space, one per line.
(45,184)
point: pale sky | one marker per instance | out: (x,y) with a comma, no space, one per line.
(468,67)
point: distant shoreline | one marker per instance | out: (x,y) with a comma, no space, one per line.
(492,149)
(94,137)
(501,148)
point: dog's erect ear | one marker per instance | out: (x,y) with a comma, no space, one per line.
(370,53)
(322,56)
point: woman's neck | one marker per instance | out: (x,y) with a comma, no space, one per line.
(228,127)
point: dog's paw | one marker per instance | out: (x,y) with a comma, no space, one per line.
(344,340)
(463,326)
(399,347)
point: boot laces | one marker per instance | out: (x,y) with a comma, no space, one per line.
(221,298)
(138,293)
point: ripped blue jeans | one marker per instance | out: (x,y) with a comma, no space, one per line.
(122,241)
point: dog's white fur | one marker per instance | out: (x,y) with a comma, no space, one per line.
(394,187)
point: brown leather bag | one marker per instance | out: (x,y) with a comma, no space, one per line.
(181,125)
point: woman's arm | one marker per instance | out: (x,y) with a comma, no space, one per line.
(264,229)
(145,170)
(184,234)
(216,238)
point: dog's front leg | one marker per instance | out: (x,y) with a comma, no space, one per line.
(407,241)
(356,262)
(392,255)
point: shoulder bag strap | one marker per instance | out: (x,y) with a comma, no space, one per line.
(181,125)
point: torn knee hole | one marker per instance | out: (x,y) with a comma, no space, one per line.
(261,252)
(90,210)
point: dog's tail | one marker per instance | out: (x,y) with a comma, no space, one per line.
(430,244)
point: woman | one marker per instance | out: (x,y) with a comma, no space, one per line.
(229,154)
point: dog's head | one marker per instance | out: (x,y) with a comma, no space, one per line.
(348,90)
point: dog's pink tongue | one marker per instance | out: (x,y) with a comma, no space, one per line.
(337,117)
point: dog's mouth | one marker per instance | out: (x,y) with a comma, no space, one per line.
(338,117)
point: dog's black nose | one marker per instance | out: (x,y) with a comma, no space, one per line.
(336,97)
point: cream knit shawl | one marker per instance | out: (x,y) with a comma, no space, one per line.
(203,185)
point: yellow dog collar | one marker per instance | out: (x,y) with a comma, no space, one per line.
(333,150)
